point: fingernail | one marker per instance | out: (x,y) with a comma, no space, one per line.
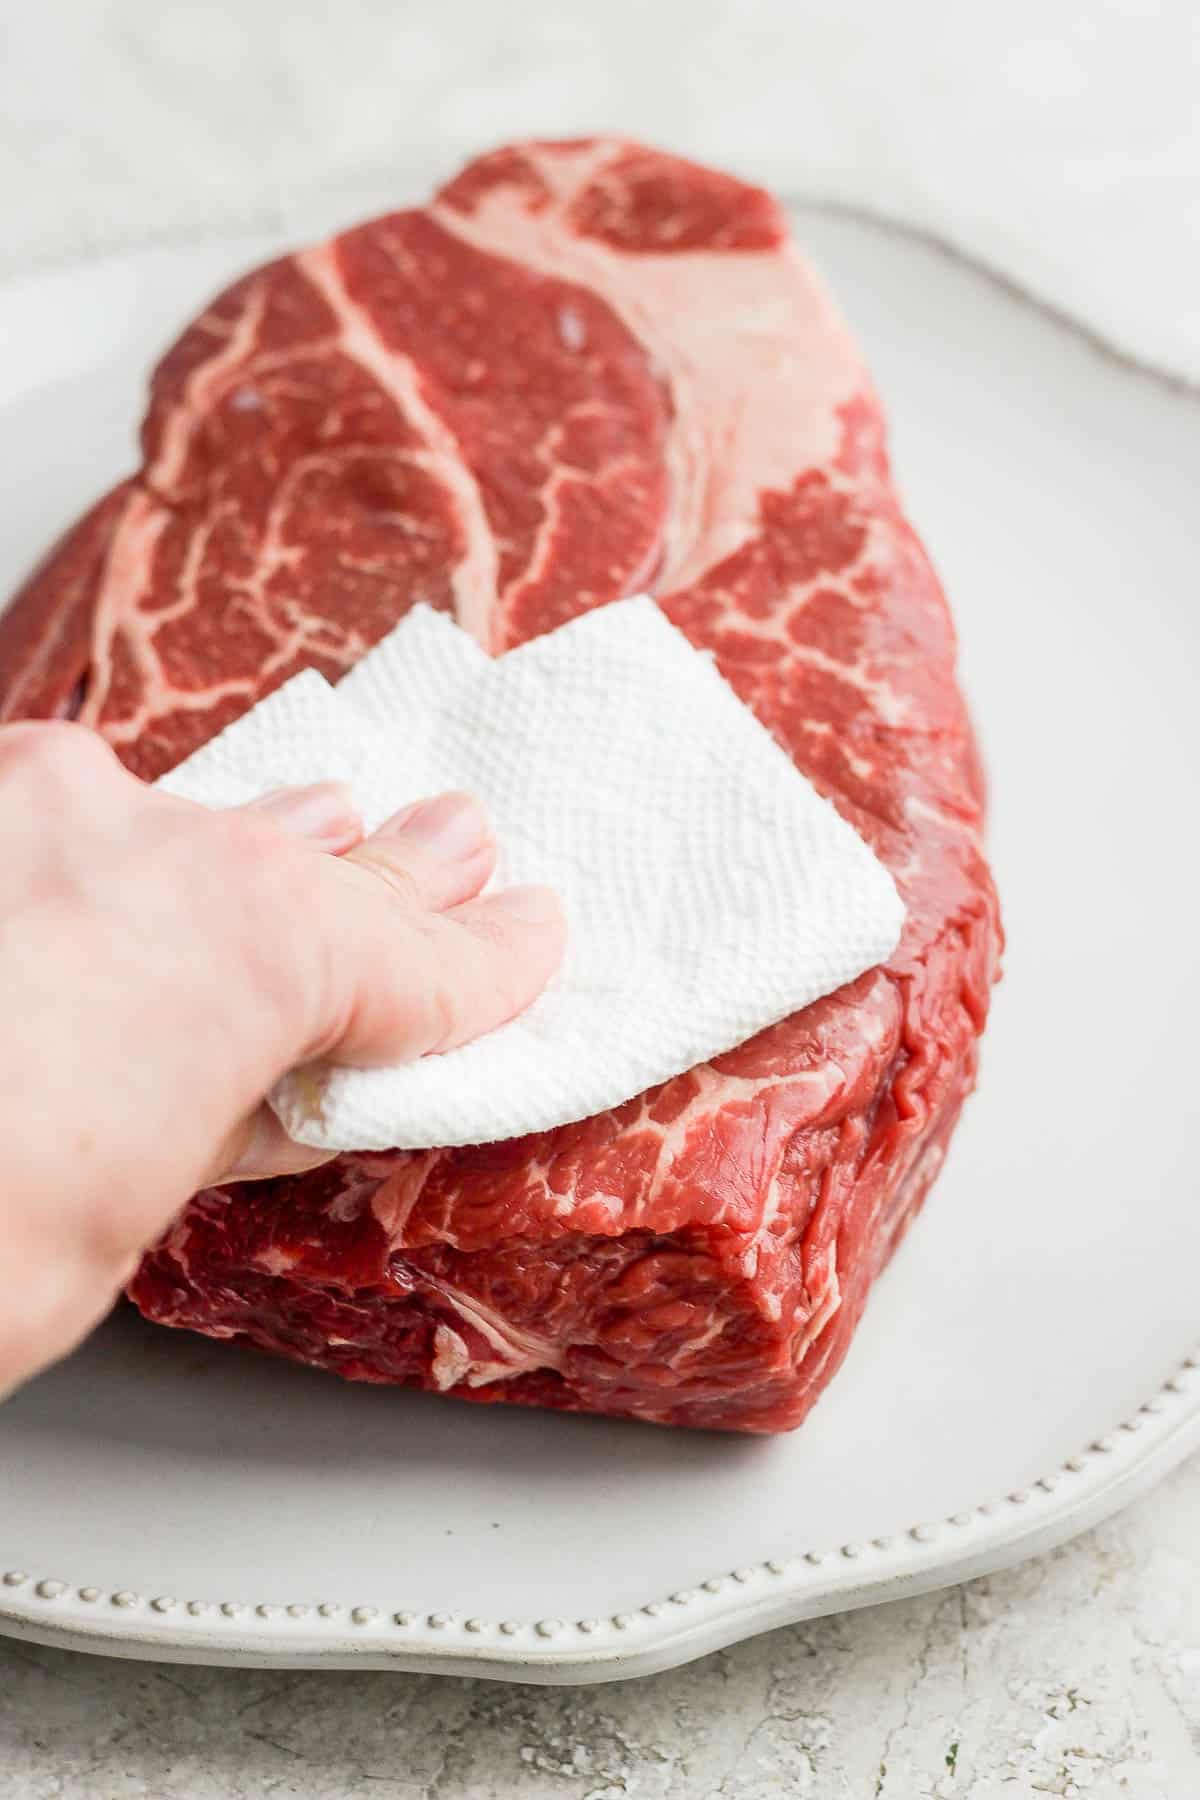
(324,813)
(451,827)
(532,905)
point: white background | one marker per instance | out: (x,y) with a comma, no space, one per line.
(1056,143)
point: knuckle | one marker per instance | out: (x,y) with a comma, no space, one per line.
(250,841)
(261,874)
(53,750)
(487,928)
(394,874)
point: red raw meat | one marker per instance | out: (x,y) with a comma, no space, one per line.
(584,368)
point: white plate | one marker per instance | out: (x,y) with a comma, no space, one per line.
(165,1496)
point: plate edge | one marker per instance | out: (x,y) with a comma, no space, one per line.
(663,1632)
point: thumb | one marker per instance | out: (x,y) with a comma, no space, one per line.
(412,981)
(412,959)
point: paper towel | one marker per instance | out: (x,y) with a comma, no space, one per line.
(709,889)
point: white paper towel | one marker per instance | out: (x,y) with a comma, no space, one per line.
(709,889)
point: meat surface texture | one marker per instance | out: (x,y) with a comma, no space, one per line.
(583,369)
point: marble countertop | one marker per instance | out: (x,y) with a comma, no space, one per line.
(1077,1674)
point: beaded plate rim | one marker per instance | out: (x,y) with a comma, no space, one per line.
(664,1631)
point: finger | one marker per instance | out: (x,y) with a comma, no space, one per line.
(461,973)
(259,1148)
(475,967)
(324,814)
(500,952)
(434,854)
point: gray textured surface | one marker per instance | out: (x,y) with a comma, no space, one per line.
(1075,1675)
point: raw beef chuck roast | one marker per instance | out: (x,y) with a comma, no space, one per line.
(585,368)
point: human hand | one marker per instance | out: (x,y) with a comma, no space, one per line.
(161,966)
